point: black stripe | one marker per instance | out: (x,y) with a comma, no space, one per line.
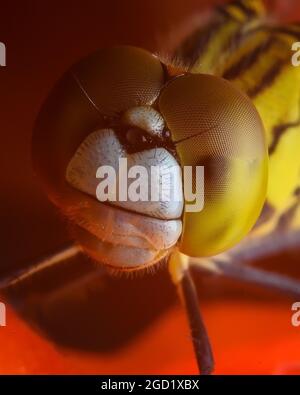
(240,36)
(196,44)
(249,12)
(278,132)
(247,60)
(267,79)
(287,30)
(223,11)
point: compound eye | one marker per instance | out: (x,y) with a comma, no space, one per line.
(104,84)
(214,125)
(118,78)
(208,116)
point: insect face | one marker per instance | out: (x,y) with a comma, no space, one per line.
(121,104)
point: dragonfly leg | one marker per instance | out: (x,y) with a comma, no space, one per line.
(242,272)
(181,276)
(49,261)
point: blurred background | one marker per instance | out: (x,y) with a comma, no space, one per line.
(71,319)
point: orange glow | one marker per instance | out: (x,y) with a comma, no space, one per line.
(248,338)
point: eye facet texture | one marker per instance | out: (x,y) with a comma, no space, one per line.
(103,85)
(94,96)
(216,126)
(120,78)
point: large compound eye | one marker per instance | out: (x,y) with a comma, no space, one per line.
(103,85)
(119,78)
(216,126)
(98,109)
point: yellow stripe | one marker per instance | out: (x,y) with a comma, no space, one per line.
(256,57)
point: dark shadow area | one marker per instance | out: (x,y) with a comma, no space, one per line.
(80,306)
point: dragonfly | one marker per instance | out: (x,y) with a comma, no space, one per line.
(227,99)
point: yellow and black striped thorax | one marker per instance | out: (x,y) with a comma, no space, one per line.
(240,44)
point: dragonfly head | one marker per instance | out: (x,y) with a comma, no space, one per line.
(111,145)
